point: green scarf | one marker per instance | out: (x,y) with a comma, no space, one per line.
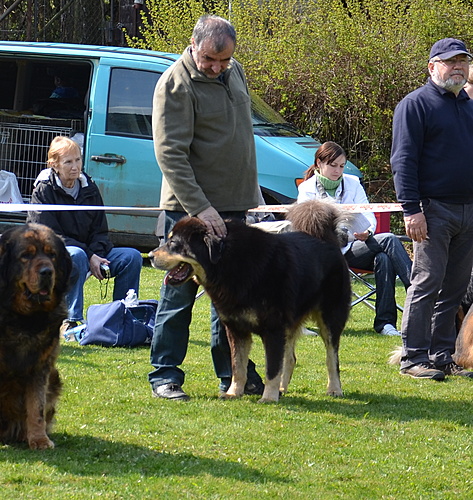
(329,185)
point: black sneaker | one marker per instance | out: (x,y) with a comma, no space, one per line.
(455,370)
(254,389)
(170,391)
(251,389)
(424,370)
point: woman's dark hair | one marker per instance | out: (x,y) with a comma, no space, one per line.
(327,153)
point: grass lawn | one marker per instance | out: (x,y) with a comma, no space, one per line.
(389,437)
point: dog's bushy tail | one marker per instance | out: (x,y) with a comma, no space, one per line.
(395,358)
(322,219)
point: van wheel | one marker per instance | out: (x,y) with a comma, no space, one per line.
(273,198)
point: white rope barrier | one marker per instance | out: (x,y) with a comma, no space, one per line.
(357,208)
(38,207)
(26,207)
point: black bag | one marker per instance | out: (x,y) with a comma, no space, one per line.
(115,325)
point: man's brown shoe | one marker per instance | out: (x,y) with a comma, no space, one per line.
(453,369)
(423,370)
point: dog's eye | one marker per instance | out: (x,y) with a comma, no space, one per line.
(172,245)
(26,255)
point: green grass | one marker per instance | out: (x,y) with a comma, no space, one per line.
(388,437)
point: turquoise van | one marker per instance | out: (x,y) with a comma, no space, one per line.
(102,97)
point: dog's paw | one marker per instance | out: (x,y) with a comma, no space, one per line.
(40,443)
(226,395)
(267,400)
(236,390)
(336,393)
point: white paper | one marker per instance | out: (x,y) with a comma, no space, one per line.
(358,224)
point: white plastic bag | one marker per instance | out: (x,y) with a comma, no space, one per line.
(9,190)
(131,299)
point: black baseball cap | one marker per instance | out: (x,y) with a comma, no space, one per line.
(447,48)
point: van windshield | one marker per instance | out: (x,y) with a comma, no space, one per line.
(268,122)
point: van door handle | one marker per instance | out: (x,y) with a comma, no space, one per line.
(108,159)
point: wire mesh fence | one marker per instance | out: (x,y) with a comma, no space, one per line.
(24,147)
(97,22)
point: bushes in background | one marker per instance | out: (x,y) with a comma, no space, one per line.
(335,68)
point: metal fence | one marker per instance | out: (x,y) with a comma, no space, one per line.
(24,147)
(97,22)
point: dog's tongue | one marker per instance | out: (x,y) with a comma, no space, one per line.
(178,274)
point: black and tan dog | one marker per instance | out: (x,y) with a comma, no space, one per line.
(34,271)
(464,323)
(268,284)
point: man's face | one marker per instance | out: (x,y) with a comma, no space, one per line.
(211,63)
(450,74)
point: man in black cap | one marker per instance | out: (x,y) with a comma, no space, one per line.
(432,163)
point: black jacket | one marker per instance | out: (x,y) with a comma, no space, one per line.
(85,229)
(431,149)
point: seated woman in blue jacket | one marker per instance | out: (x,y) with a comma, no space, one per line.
(382,253)
(85,233)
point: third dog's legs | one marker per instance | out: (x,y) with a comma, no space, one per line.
(464,346)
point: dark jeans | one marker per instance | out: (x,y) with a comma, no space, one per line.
(171,330)
(440,275)
(125,267)
(385,255)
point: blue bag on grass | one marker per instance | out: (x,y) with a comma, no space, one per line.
(116,325)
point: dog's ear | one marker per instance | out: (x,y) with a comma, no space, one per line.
(215,247)
(64,267)
(6,252)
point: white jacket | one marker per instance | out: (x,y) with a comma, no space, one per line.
(348,192)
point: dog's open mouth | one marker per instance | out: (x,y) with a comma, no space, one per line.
(41,295)
(179,274)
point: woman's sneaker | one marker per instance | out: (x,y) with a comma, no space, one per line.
(389,330)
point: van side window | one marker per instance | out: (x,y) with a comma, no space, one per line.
(130,102)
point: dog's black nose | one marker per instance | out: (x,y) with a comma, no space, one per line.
(45,271)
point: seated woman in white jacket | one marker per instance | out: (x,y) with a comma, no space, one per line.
(381,253)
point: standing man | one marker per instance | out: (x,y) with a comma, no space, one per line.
(432,165)
(204,144)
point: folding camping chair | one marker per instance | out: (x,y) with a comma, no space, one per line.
(361,276)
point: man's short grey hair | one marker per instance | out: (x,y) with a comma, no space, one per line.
(215,28)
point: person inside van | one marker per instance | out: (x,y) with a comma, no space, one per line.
(85,233)
(64,88)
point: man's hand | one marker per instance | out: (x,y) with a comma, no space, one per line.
(416,227)
(94,264)
(213,221)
